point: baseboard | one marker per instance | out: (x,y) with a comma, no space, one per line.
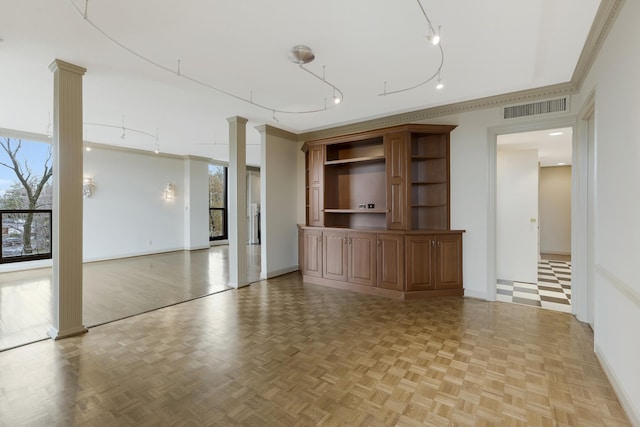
(280,272)
(475,294)
(26,265)
(198,247)
(134,254)
(625,400)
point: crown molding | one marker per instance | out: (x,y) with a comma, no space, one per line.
(29,136)
(274,131)
(196,158)
(528,95)
(602,24)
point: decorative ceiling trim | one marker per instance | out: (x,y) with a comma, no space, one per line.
(602,24)
(29,136)
(444,110)
(274,131)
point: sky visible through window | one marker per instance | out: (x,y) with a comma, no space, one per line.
(35,153)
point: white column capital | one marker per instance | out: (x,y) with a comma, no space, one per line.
(58,64)
(237,119)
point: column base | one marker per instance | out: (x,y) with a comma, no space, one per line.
(56,334)
(238,285)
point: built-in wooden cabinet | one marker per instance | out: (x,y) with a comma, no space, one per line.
(335,255)
(362,258)
(434,262)
(381,202)
(312,252)
(315,185)
(390,261)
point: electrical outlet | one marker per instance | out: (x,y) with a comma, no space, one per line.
(371,206)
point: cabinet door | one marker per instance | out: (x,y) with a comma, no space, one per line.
(449,261)
(316,186)
(335,256)
(420,262)
(395,146)
(390,262)
(312,253)
(362,258)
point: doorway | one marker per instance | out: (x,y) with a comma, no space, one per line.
(533,218)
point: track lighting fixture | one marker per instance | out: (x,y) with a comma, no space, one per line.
(124,130)
(299,54)
(434,39)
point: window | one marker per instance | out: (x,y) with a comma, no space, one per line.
(25,200)
(218,203)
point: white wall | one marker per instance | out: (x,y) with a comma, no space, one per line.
(128,215)
(196,203)
(614,79)
(555,210)
(279,206)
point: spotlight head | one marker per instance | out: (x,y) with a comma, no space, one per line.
(440,85)
(435,39)
(337,100)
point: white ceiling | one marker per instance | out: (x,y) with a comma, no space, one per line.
(490,47)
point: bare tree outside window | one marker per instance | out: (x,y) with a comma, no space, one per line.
(31,191)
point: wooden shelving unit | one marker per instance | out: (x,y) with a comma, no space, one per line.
(380,201)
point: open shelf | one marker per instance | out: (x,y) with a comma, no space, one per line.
(367,149)
(358,211)
(355,219)
(354,160)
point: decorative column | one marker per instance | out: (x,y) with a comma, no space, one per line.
(237,202)
(67,200)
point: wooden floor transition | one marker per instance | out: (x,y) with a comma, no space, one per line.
(284,353)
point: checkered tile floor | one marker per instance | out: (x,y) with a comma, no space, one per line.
(553,290)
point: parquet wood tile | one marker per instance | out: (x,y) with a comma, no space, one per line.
(283,353)
(115,289)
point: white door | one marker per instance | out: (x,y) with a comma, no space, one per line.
(517,216)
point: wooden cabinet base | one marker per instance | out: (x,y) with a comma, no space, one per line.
(371,290)
(395,264)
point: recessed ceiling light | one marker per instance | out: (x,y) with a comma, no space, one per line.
(556,133)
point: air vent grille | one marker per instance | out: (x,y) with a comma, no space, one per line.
(536,108)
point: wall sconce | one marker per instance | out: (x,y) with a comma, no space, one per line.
(88,187)
(170,191)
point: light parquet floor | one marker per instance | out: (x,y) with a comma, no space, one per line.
(283,353)
(115,289)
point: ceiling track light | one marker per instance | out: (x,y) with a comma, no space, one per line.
(124,130)
(302,55)
(434,38)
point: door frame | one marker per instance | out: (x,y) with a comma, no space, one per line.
(578,193)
